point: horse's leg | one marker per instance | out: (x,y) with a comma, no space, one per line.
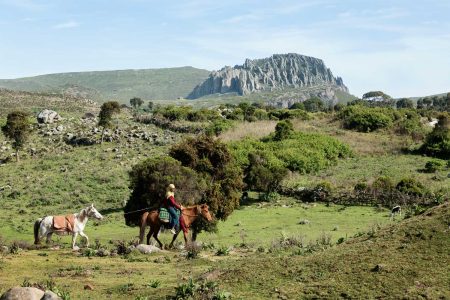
(49,237)
(155,235)
(86,237)
(149,235)
(142,233)
(74,239)
(174,238)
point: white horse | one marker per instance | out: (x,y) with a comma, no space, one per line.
(45,226)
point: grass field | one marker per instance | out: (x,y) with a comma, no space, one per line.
(271,255)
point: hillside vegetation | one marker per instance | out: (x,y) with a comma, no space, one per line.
(121,85)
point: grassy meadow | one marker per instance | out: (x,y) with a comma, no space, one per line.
(283,249)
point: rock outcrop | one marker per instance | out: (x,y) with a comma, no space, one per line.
(48,116)
(278,72)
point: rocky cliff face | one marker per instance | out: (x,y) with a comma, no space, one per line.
(277,72)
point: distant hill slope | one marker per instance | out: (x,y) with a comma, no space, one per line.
(121,85)
(34,102)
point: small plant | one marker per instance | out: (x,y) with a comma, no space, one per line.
(340,240)
(223,251)
(433,166)
(193,250)
(14,249)
(122,248)
(154,283)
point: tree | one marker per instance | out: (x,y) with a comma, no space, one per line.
(313,104)
(136,102)
(283,130)
(376,96)
(211,159)
(437,142)
(297,105)
(405,103)
(150,105)
(248,111)
(105,116)
(17,129)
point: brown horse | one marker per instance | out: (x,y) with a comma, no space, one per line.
(188,215)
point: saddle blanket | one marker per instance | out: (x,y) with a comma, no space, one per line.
(64,223)
(164,215)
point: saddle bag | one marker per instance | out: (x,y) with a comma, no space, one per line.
(164,215)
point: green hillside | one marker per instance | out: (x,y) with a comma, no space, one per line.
(122,85)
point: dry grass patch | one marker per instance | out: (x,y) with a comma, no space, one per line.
(242,130)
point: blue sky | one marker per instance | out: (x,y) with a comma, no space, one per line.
(400,47)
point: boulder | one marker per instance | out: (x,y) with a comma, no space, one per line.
(48,116)
(23,293)
(147,249)
(49,295)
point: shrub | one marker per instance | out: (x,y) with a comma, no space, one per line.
(260,175)
(366,119)
(223,251)
(193,250)
(149,180)
(432,166)
(283,130)
(411,186)
(437,142)
(214,163)
(218,126)
(313,104)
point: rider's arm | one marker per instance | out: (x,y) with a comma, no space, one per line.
(173,202)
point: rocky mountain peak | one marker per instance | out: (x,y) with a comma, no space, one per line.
(277,72)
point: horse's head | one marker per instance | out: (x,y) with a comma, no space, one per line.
(204,211)
(93,213)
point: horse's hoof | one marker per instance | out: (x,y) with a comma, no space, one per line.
(75,248)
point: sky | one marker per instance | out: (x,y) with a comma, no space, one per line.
(399,47)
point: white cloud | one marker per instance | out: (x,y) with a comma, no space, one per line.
(69,24)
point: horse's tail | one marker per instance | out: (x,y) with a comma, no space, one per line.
(37,224)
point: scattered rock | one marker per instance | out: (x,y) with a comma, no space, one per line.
(304,222)
(89,287)
(23,293)
(49,295)
(146,249)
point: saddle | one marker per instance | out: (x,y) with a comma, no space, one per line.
(64,223)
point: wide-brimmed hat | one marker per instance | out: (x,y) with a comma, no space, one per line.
(171,186)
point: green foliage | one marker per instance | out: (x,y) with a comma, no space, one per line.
(432,166)
(106,112)
(302,152)
(437,142)
(376,95)
(192,290)
(136,102)
(365,119)
(313,104)
(213,162)
(298,105)
(218,126)
(17,129)
(405,103)
(261,175)
(149,180)
(283,130)
(223,251)
(284,114)
(411,186)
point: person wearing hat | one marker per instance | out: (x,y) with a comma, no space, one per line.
(171,204)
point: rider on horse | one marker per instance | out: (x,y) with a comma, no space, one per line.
(170,204)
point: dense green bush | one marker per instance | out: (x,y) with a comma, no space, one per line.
(365,119)
(411,186)
(211,159)
(284,114)
(262,176)
(283,130)
(314,104)
(433,166)
(437,142)
(149,180)
(301,152)
(218,126)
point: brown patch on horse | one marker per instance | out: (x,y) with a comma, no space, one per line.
(64,223)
